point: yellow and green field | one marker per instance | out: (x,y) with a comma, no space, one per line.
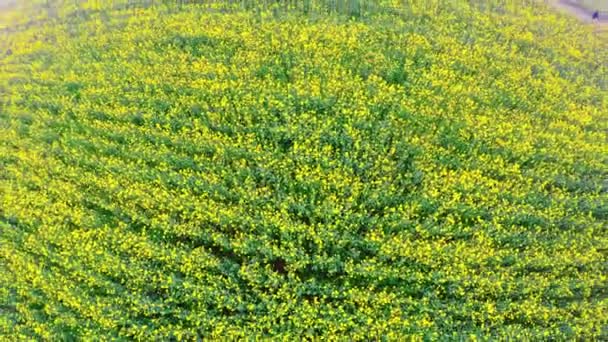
(342,170)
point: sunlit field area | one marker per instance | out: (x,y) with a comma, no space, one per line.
(340,170)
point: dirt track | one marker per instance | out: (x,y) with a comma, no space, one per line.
(581,13)
(7,3)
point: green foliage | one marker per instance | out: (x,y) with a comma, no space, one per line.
(302,169)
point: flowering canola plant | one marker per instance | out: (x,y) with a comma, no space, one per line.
(222,171)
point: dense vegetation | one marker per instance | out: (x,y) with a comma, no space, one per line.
(349,169)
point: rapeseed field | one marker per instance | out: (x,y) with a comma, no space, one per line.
(325,170)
